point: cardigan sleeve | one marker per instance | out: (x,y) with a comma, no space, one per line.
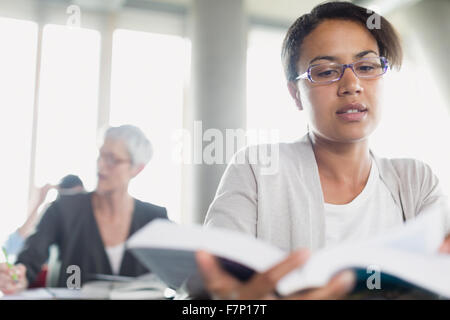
(422,189)
(235,203)
(15,243)
(36,250)
(432,196)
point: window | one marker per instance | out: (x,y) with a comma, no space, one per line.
(148,76)
(269,105)
(67,122)
(17,78)
(415,118)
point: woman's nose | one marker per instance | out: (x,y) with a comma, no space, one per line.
(349,84)
(100,163)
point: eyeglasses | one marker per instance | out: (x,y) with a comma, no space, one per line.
(111,161)
(366,68)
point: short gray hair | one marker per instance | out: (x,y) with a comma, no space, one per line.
(138,146)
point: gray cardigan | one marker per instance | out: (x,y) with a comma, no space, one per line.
(286,208)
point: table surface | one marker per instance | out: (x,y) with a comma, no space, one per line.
(97,290)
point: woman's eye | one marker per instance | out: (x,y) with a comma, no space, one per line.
(368,68)
(327,73)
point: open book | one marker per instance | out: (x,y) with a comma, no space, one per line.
(408,253)
(147,286)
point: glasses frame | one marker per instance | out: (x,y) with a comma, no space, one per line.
(112,162)
(307,73)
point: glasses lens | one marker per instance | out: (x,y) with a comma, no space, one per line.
(326,72)
(370,68)
(365,68)
(108,160)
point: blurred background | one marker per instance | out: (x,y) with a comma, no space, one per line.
(70,68)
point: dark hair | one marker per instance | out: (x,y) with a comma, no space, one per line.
(386,36)
(70,181)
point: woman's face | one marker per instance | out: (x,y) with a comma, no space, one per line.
(114,169)
(343,42)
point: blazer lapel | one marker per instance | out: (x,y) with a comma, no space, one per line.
(97,247)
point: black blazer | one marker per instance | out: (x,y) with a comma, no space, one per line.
(69,223)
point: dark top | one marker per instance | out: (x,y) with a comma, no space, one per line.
(69,223)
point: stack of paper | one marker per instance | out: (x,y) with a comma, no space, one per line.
(148,286)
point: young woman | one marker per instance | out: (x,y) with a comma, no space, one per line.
(329,186)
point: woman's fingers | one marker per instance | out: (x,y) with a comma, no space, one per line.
(218,282)
(21,271)
(12,279)
(337,288)
(4,280)
(263,285)
(445,246)
(222,285)
(7,285)
(3,267)
(5,276)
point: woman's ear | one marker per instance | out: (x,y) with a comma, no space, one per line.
(136,170)
(295,94)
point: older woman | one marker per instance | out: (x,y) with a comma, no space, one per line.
(329,188)
(91,229)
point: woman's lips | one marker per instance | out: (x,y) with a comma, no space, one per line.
(353,116)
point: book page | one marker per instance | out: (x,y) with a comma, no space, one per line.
(235,246)
(409,252)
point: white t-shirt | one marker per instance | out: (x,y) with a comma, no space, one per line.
(372,212)
(115,255)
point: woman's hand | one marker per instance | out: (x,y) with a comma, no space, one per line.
(7,283)
(40,194)
(445,245)
(222,285)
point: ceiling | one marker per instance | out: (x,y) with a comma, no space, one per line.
(282,12)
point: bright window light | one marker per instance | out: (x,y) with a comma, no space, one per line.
(148,75)
(17,77)
(67,123)
(269,106)
(415,118)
